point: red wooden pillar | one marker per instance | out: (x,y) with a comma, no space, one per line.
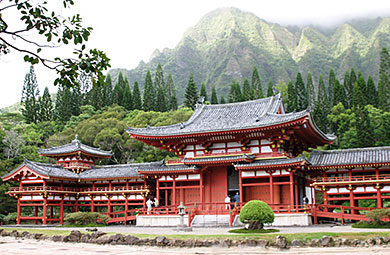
(126,207)
(201,190)
(271,188)
(158,190)
(296,182)
(62,210)
(174,191)
(351,200)
(240,186)
(291,189)
(325,197)
(18,212)
(44,210)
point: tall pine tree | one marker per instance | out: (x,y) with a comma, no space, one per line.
(191,94)
(149,94)
(339,94)
(270,89)
(311,98)
(171,95)
(348,87)
(291,97)
(322,107)
(214,98)
(107,92)
(331,84)
(63,105)
(159,85)
(301,93)
(359,92)
(235,92)
(127,96)
(30,94)
(203,92)
(45,106)
(246,90)
(137,101)
(372,94)
(384,81)
(256,84)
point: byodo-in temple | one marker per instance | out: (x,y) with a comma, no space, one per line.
(248,150)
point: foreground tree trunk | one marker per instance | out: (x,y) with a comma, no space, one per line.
(253,224)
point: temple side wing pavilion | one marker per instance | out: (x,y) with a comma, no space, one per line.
(248,150)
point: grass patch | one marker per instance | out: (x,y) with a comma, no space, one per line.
(49,232)
(252,231)
(363,224)
(82,226)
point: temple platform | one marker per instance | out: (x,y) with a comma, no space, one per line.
(281,220)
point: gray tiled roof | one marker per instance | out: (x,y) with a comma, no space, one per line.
(222,117)
(75,145)
(273,162)
(169,168)
(372,155)
(236,158)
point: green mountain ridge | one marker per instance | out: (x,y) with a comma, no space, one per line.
(226,43)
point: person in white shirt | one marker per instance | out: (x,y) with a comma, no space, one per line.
(149,205)
(227,201)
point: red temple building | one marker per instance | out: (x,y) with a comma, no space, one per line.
(253,149)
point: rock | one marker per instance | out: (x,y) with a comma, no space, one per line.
(5,233)
(161,241)
(1,230)
(57,238)
(103,240)
(345,242)
(224,243)
(371,241)
(296,243)
(97,234)
(386,240)
(315,243)
(14,233)
(73,237)
(37,236)
(355,242)
(262,243)
(327,241)
(85,238)
(116,239)
(91,229)
(188,243)
(131,240)
(379,240)
(251,242)
(24,234)
(281,242)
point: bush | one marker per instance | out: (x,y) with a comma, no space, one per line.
(256,213)
(84,218)
(10,218)
(377,215)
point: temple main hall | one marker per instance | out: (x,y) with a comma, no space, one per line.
(247,150)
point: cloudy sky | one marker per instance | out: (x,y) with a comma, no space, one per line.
(129,31)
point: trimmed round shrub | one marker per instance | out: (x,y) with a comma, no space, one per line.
(256,213)
(377,215)
(84,218)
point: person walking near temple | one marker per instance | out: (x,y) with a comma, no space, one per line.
(237,198)
(227,202)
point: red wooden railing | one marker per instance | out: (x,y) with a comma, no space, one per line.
(65,189)
(353,178)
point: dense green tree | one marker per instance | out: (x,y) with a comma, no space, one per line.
(270,89)
(45,106)
(137,101)
(301,93)
(310,91)
(191,94)
(384,81)
(149,94)
(247,92)
(360,92)
(235,94)
(214,98)
(107,92)
(222,100)
(76,100)
(172,99)
(321,107)
(161,104)
(119,90)
(339,94)
(161,91)
(331,84)
(372,94)
(256,84)
(63,105)
(364,130)
(291,97)
(348,90)
(203,92)
(127,97)
(30,94)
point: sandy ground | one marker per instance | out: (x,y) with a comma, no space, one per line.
(12,246)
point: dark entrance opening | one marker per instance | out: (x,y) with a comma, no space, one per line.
(233,186)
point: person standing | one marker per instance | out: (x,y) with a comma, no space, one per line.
(227,202)
(149,204)
(237,198)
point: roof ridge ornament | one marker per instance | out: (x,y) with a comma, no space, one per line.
(76,141)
